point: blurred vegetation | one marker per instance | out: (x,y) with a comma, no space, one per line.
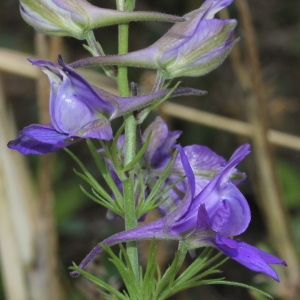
(81,223)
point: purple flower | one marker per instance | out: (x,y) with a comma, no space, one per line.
(190,48)
(162,141)
(79,110)
(204,162)
(210,218)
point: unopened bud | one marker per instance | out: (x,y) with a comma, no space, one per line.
(76,18)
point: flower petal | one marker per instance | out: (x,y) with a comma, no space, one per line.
(39,139)
(162,141)
(249,256)
(74,103)
(205,165)
(93,97)
(202,219)
(98,129)
(159,132)
(184,206)
(226,206)
(215,6)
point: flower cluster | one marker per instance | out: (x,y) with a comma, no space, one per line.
(208,218)
(204,163)
(194,188)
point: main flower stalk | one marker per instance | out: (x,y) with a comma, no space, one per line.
(130,143)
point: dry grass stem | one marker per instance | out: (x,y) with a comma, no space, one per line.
(270,195)
(227,124)
(17,213)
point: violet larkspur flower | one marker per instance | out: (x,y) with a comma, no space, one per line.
(77,17)
(204,162)
(211,218)
(190,48)
(79,110)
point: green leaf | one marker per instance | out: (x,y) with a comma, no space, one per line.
(164,286)
(115,205)
(154,200)
(162,177)
(200,263)
(107,69)
(94,184)
(87,175)
(225,282)
(142,186)
(114,148)
(148,281)
(102,201)
(192,276)
(102,166)
(138,156)
(141,116)
(125,271)
(100,283)
(152,203)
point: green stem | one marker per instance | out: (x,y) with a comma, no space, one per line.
(182,249)
(90,38)
(130,146)
(96,50)
(159,82)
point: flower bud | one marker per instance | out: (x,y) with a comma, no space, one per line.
(190,48)
(202,53)
(198,45)
(77,17)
